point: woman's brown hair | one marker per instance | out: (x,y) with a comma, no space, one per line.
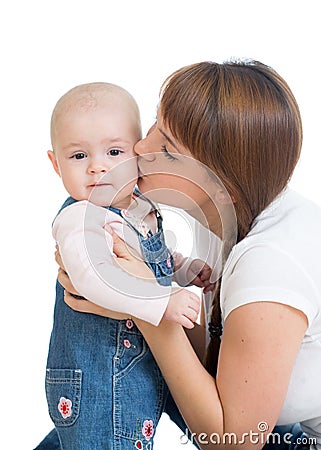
(242,121)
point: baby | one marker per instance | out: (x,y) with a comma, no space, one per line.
(103,386)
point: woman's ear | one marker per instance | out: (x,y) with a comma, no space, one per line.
(54,161)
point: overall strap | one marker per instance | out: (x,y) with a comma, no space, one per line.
(156,211)
(132,226)
(115,210)
(69,201)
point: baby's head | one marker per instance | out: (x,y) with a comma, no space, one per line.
(94,128)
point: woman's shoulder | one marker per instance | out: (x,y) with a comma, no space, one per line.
(286,221)
(279,259)
(287,232)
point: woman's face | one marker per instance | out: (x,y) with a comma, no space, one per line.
(168,172)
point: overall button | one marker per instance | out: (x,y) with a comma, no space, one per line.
(129,324)
(126,343)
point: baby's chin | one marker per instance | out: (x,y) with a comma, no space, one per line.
(101,195)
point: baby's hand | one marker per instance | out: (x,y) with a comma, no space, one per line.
(200,273)
(183,307)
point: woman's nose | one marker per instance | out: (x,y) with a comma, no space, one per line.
(144,149)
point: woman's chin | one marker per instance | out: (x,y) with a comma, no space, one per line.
(166,196)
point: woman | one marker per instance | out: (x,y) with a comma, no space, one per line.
(242,122)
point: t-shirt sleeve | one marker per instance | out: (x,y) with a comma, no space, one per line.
(267,273)
(86,252)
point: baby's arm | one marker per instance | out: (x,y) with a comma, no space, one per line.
(183,307)
(189,271)
(86,252)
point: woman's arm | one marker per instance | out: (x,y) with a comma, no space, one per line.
(197,335)
(258,350)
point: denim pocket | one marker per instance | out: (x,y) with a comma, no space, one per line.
(63,391)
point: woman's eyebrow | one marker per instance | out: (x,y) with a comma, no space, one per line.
(168,138)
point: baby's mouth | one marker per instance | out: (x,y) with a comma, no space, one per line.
(93,185)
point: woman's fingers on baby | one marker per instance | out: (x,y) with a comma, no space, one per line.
(195,303)
(108,228)
(186,322)
(72,302)
(120,248)
(58,258)
(192,315)
(64,280)
(83,305)
(86,306)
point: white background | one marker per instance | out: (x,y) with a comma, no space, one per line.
(47,47)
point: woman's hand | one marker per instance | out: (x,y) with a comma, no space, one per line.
(63,277)
(127,260)
(84,306)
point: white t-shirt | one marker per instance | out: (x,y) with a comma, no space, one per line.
(279,260)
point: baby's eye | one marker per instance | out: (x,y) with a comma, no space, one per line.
(79,156)
(114,152)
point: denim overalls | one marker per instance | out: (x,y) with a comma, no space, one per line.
(103,386)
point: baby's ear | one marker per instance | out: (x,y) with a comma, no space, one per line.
(54,161)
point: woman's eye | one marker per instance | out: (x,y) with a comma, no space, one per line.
(167,154)
(79,156)
(114,152)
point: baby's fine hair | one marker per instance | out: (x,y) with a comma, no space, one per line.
(89,96)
